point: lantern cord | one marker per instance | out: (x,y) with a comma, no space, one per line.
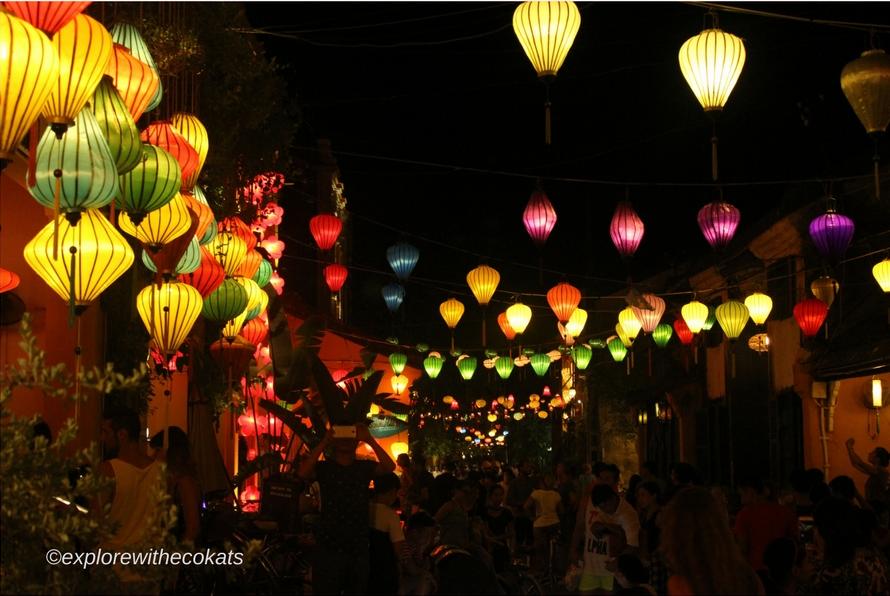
(877,167)
(714,171)
(547,125)
(77,352)
(32,156)
(168,396)
(774,15)
(56,208)
(71,283)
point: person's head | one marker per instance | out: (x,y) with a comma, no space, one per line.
(780,557)
(545,481)
(842,487)
(421,530)
(496,495)
(879,457)
(801,482)
(819,493)
(606,474)
(178,456)
(465,493)
(604,498)
(751,489)
(631,571)
(404,461)
(386,488)
(649,470)
(647,494)
(837,530)
(120,428)
(343,450)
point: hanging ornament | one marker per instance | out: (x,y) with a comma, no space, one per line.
(226,302)
(432,364)
(718,222)
(483,281)
(649,319)
(335,276)
(402,258)
(189,262)
(683,332)
(540,364)
(398,361)
(169,312)
(263,273)
(711,63)
(193,131)
(504,324)
(151,184)
(49,17)
(399,384)
(129,37)
(255,331)
(29,69)
(622,335)
(236,226)
(325,229)
(8,280)
(627,229)
(810,314)
(259,308)
(250,265)
(213,227)
(466,366)
(504,366)
(576,322)
(393,296)
(628,320)
(582,354)
(230,250)
(117,125)
(563,299)
(825,289)
(277,283)
(832,233)
(881,273)
(204,213)
(134,80)
(160,226)
(662,334)
(539,218)
(451,310)
(617,349)
(208,276)
(709,322)
(255,304)
(759,306)
(162,134)
(694,315)
(732,317)
(518,317)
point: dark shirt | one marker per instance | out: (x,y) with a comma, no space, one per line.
(343,524)
(440,493)
(497,520)
(519,491)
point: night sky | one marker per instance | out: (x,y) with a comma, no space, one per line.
(621,111)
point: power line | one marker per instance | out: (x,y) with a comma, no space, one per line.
(786,17)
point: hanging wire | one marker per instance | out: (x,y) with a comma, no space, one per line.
(858,26)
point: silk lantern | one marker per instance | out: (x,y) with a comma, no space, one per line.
(662,334)
(563,299)
(213,227)
(134,80)
(263,274)
(718,222)
(576,322)
(277,283)
(398,361)
(230,250)
(483,281)
(546,31)
(626,229)
(325,229)
(581,355)
(732,317)
(759,306)
(9,280)
(402,258)
(151,184)
(881,273)
(393,296)
(255,298)
(649,319)
(128,36)
(540,364)
(617,349)
(694,314)
(226,302)
(169,312)
(451,310)
(711,63)
(504,324)
(832,233)
(258,307)
(208,276)
(622,335)
(335,276)
(683,332)
(189,262)
(825,288)
(117,125)
(204,213)
(49,17)
(709,322)
(162,134)
(399,383)
(433,365)
(518,316)
(539,218)
(160,226)
(255,331)
(236,226)
(193,131)
(250,265)
(810,314)
(628,320)
(504,366)
(29,69)
(466,366)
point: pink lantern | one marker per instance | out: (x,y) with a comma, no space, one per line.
(626,229)
(277,282)
(649,319)
(718,222)
(250,499)
(273,246)
(539,217)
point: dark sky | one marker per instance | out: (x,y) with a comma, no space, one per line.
(621,111)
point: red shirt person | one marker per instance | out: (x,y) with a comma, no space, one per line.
(761,521)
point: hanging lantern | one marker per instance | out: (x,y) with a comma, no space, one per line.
(433,365)
(77,170)
(393,295)
(617,349)
(451,310)
(649,319)
(563,299)
(518,316)
(236,226)
(29,70)
(810,314)
(711,63)
(49,17)
(832,233)
(273,247)
(483,281)
(208,276)
(117,125)
(576,322)
(134,80)
(256,300)
(630,323)
(683,332)
(204,213)
(759,342)
(825,289)
(718,222)
(504,324)
(160,226)
(189,262)
(866,84)
(662,334)
(250,265)
(193,131)
(881,273)
(709,322)
(263,273)
(230,250)
(150,184)
(94,249)
(8,280)
(732,317)
(504,366)
(546,31)
(622,335)
(129,37)
(581,355)
(259,308)
(277,283)
(402,258)
(168,313)
(466,366)
(325,229)
(226,302)
(398,361)
(335,276)
(213,226)
(255,331)
(540,364)
(84,48)
(626,230)
(539,218)
(759,306)
(162,134)
(694,314)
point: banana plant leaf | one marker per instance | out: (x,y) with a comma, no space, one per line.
(258,464)
(293,421)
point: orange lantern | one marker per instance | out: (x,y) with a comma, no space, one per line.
(250,265)
(193,131)
(135,80)
(255,331)
(504,324)
(483,281)
(8,280)
(49,17)
(237,226)
(563,299)
(203,211)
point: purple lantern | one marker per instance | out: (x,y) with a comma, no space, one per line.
(718,222)
(626,229)
(539,217)
(832,233)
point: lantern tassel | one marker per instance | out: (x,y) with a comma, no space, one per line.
(714,171)
(877,167)
(168,395)
(72,309)
(77,352)
(547,127)
(56,208)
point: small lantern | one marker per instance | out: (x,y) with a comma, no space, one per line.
(683,332)
(617,349)
(759,306)
(825,288)
(466,366)
(881,272)
(325,229)
(563,299)
(718,222)
(759,342)
(622,335)
(335,276)
(128,36)
(732,317)
(810,314)
(451,310)
(135,80)
(649,319)
(398,361)
(483,281)
(208,276)
(694,315)
(432,364)
(629,322)
(162,134)
(576,322)
(581,355)
(402,258)
(626,230)
(504,324)
(194,132)
(711,63)
(518,316)
(226,302)
(662,335)
(168,313)
(393,296)
(152,183)
(540,364)
(546,31)
(118,126)
(399,383)
(832,233)
(539,218)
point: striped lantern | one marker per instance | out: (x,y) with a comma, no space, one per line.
(626,229)
(49,17)
(117,125)
(539,218)
(134,80)
(129,37)
(563,299)
(732,317)
(718,222)
(649,319)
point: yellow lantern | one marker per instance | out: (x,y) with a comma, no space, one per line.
(84,48)
(160,226)
(480,403)
(695,314)
(492,417)
(542,414)
(518,415)
(399,383)
(168,313)
(759,306)
(626,341)
(194,132)
(398,448)
(230,250)
(866,84)
(28,69)
(93,252)
(451,310)
(576,322)
(711,63)
(255,300)
(483,281)
(732,316)
(546,31)
(825,288)
(881,271)
(628,321)
(518,316)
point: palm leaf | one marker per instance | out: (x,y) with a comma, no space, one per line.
(291,420)
(259,464)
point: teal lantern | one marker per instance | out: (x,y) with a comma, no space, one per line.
(504,366)
(398,361)
(662,334)
(433,366)
(712,318)
(617,349)
(118,126)
(79,165)
(226,302)
(188,263)
(582,354)
(540,364)
(466,366)
(129,37)
(263,274)
(150,185)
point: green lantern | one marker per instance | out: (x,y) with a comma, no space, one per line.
(263,274)
(540,364)
(87,175)
(617,349)
(581,355)
(129,37)
(466,366)
(662,334)
(504,366)
(422,348)
(433,366)
(117,125)
(226,302)
(732,316)
(712,318)
(210,232)
(188,263)
(398,361)
(599,344)
(150,185)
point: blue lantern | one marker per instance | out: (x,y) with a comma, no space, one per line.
(393,295)
(402,258)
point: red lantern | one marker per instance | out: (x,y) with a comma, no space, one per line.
(255,331)
(626,229)
(686,336)
(810,315)
(49,17)
(208,276)
(162,134)
(563,298)
(325,229)
(504,324)
(539,217)
(335,276)
(8,280)
(236,226)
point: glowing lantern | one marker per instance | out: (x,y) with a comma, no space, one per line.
(694,314)
(825,289)
(711,63)
(208,276)
(393,295)
(77,170)
(256,303)
(504,324)
(277,283)
(230,250)
(504,366)
(255,331)
(116,123)
(649,319)
(250,265)
(451,310)
(49,17)
(226,302)
(160,226)
(204,213)
(518,316)
(617,349)
(546,31)
(29,69)
(628,320)
(877,393)
(718,222)
(263,273)
(325,229)
(466,366)
(162,134)
(433,366)
(626,230)
(576,322)
(168,313)
(84,48)
(881,272)
(563,299)
(8,280)
(832,233)
(866,84)
(189,262)
(129,37)
(622,335)
(483,281)
(712,318)
(193,131)
(152,183)
(273,247)
(759,306)
(662,335)
(492,417)
(582,355)
(683,332)
(90,257)
(398,448)
(398,361)
(399,383)
(540,364)
(134,80)
(258,307)
(335,276)
(402,258)
(732,317)
(539,217)
(517,416)
(810,314)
